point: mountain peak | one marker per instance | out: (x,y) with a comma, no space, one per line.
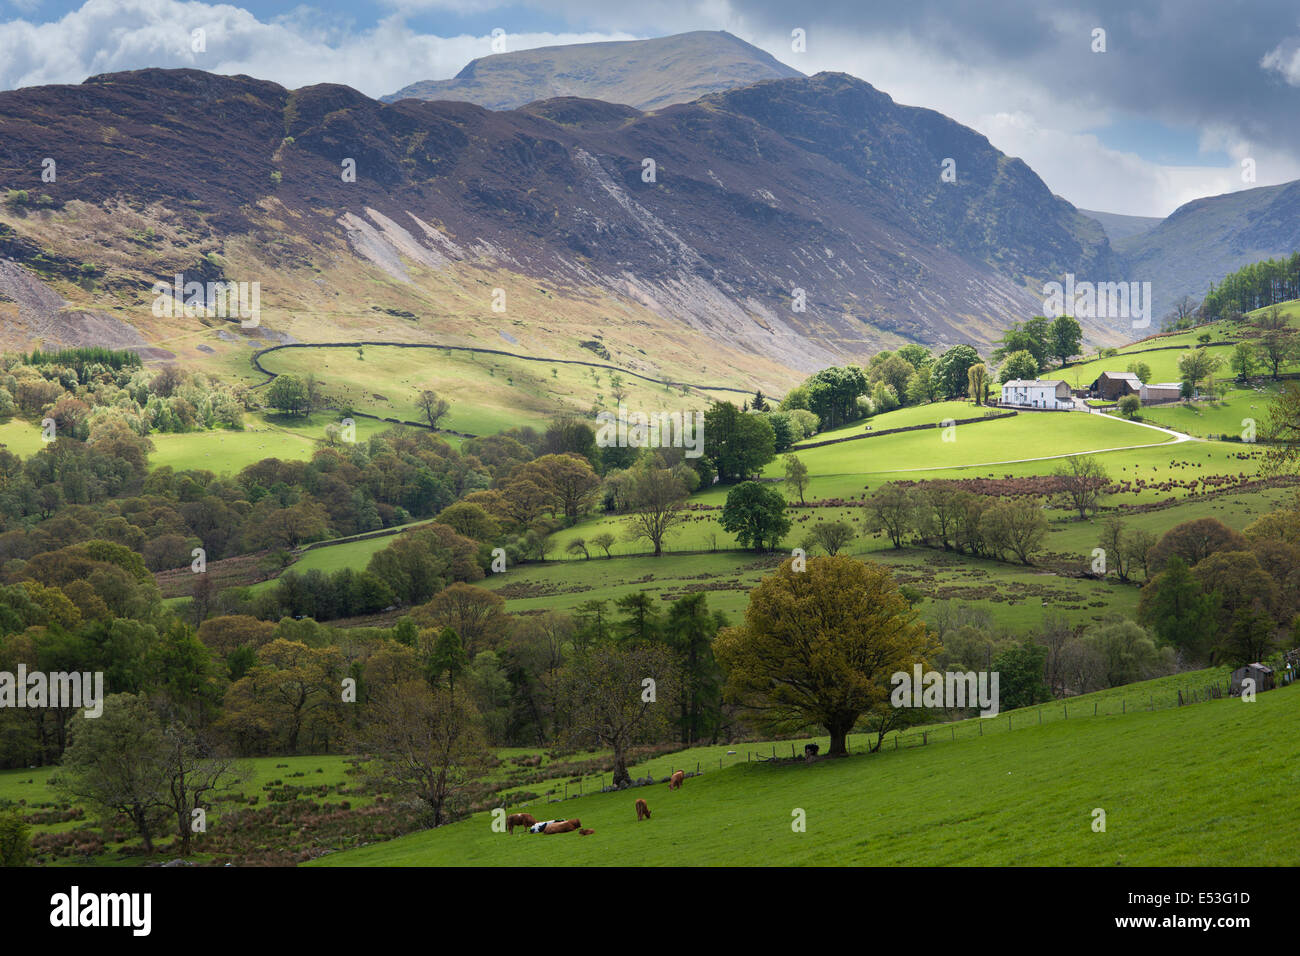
(645,74)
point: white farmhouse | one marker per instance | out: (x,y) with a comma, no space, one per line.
(1037,393)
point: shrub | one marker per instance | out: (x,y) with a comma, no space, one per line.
(15,840)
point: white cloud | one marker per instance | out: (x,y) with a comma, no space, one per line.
(1031,122)
(105,36)
(1284,59)
(1021,114)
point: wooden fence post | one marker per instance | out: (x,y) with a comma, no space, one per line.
(953,728)
(981,726)
(925,737)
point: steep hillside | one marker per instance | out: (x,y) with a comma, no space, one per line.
(1206,239)
(822,184)
(646,74)
(1119,226)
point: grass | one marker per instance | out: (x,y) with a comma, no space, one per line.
(1199,785)
(1162,360)
(997,440)
(28,790)
(929,414)
(1016,596)
(1228,416)
(488,393)
(21,437)
(228,452)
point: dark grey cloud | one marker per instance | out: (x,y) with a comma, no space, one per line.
(1183,62)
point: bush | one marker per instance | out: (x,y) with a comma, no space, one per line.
(15,840)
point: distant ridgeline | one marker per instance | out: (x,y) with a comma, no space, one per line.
(1256,286)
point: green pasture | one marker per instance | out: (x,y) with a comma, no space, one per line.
(1205,784)
(21,437)
(928,414)
(28,791)
(229,452)
(488,393)
(1028,435)
(1163,361)
(1015,595)
(1227,416)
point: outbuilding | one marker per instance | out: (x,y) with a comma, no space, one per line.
(1261,674)
(1115,385)
(1160,392)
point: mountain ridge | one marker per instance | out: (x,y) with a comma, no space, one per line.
(646,74)
(820,184)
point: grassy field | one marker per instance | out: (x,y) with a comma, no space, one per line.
(488,393)
(1162,360)
(228,452)
(963,446)
(1228,416)
(23,438)
(1016,596)
(1201,785)
(29,791)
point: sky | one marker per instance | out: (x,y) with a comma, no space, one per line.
(1172,101)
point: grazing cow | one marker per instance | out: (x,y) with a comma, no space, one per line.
(811,750)
(585,832)
(519,820)
(559,826)
(642,811)
(675,781)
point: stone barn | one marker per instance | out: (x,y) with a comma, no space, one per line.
(1115,385)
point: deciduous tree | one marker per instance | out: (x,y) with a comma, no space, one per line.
(819,646)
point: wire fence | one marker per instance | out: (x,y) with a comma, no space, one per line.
(1100,704)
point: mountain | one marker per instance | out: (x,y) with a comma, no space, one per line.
(820,184)
(645,74)
(1204,240)
(1119,226)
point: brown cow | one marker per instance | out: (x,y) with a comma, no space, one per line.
(675,782)
(563,826)
(642,811)
(519,820)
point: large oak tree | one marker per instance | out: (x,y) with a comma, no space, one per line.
(819,646)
